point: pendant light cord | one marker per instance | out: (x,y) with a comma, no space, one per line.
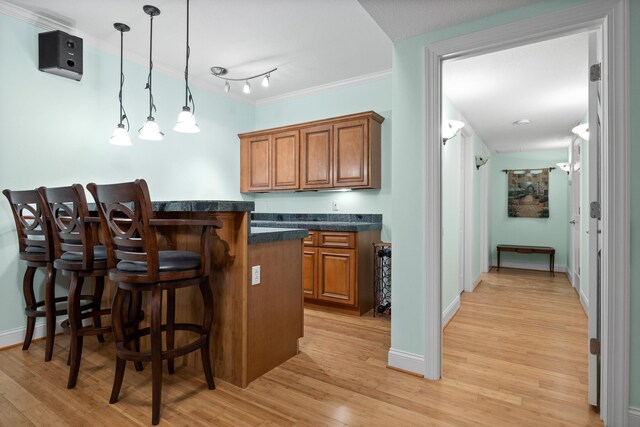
(123,113)
(152,106)
(187,91)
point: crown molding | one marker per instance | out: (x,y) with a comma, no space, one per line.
(320,88)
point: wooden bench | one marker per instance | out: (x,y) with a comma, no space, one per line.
(530,250)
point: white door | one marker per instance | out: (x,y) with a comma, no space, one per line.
(575,212)
(595,113)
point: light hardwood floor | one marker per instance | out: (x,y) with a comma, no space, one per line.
(515,354)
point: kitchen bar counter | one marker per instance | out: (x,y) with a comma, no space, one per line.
(256,326)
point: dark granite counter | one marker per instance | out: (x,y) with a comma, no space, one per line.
(322,222)
(203,206)
(264,234)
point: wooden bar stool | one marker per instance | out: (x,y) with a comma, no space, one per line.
(35,247)
(78,254)
(136,265)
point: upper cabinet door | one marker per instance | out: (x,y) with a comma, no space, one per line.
(285,160)
(351,154)
(316,157)
(256,164)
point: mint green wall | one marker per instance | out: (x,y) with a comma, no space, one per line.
(634,179)
(550,231)
(372,95)
(408,175)
(54,131)
(452,184)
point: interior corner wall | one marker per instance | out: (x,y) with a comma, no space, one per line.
(368,95)
(54,131)
(551,231)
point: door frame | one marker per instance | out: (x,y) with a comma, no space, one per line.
(609,16)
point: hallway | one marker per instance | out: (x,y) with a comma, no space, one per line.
(520,341)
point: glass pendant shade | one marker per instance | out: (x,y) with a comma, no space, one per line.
(186,122)
(120,136)
(150,131)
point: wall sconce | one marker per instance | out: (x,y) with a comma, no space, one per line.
(221,72)
(481,160)
(582,130)
(450,128)
(565,166)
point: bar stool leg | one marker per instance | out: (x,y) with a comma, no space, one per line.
(75,324)
(117,322)
(97,294)
(207,298)
(50,310)
(171,318)
(30,300)
(156,353)
(135,309)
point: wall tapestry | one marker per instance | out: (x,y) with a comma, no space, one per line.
(528,193)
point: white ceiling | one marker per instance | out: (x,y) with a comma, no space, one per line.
(545,82)
(312,43)
(401,19)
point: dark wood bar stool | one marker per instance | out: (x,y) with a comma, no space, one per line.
(36,249)
(136,265)
(78,254)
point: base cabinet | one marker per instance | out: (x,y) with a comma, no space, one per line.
(338,270)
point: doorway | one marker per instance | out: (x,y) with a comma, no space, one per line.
(605,17)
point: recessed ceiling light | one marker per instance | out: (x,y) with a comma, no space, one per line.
(522,122)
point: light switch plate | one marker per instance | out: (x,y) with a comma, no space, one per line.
(334,205)
(255,275)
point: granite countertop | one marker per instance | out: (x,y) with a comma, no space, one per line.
(321,222)
(266,234)
(198,206)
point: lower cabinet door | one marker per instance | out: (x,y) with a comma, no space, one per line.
(309,276)
(337,275)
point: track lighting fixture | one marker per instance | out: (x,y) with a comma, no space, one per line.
(221,72)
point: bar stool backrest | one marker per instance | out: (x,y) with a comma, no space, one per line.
(125,211)
(34,237)
(66,208)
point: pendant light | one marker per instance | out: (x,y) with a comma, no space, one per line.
(186,119)
(150,130)
(120,135)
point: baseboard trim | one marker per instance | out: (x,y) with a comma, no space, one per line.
(477,282)
(405,361)
(584,301)
(450,311)
(13,337)
(531,266)
(634,417)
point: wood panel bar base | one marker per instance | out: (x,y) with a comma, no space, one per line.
(529,250)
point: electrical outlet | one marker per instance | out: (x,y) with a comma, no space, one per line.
(335,205)
(255,275)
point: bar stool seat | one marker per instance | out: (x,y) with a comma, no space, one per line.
(137,266)
(99,254)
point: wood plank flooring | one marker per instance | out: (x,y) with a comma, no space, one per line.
(515,354)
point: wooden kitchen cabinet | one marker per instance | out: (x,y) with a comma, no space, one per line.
(270,162)
(338,270)
(341,152)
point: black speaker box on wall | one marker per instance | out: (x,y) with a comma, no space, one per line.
(61,54)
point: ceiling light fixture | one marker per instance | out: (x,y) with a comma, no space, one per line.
(450,128)
(186,119)
(481,160)
(582,130)
(221,72)
(120,135)
(522,122)
(150,130)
